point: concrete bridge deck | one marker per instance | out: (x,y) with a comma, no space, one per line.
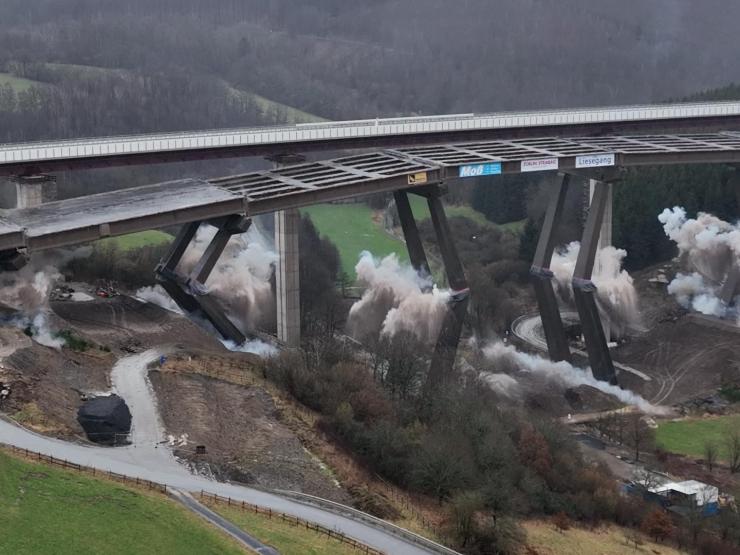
(88,218)
(51,156)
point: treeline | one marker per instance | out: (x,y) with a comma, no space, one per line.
(347,60)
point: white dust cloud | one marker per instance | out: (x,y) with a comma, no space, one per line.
(708,248)
(615,291)
(27,292)
(563,373)
(396,299)
(240,281)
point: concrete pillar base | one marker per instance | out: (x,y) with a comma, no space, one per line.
(34,190)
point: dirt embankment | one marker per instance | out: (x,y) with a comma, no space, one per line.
(46,385)
(218,402)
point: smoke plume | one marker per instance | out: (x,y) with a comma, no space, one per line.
(616,295)
(562,372)
(708,248)
(240,280)
(396,299)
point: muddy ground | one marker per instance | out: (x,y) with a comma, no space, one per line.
(242,431)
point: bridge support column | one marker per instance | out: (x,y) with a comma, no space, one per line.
(411,234)
(584,289)
(445,350)
(557,340)
(287,279)
(34,190)
(189,291)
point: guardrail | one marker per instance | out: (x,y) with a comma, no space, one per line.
(344,510)
(292,520)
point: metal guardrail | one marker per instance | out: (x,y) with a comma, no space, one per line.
(71,149)
(350,512)
(292,520)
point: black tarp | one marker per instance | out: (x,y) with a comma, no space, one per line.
(105,419)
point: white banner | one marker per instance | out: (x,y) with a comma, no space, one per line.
(595,160)
(542,164)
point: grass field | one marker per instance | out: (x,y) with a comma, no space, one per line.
(139,239)
(288,539)
(546,540)
(688,437)
(352,229)
(421,211)
(44,510)
(17,83)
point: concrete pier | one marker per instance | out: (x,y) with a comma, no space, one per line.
(34,190)
(287,281)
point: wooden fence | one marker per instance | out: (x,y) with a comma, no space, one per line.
(89,470)
(292,520)
(204,495)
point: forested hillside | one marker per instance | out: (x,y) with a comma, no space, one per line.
(97,67)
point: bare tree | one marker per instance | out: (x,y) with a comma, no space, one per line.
(638,434)
(711,452)
(732,448)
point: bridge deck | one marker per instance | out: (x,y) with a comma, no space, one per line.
(378,133)
(83,219)
(87,218)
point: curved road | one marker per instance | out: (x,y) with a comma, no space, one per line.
(147,460)
(528,328)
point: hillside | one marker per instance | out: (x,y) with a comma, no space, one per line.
(44,510)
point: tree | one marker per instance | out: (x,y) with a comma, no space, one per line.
(638,434)
(463,509)
(657,524)
(732,448)
(561,522)
(711,453)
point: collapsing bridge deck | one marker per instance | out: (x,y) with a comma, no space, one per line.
(88,218)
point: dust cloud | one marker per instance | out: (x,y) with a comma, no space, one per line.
(396,299)
(240,281)
(708,248)
(616,294)
(561,372)
(27,290)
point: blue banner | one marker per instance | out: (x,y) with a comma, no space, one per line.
(477,170)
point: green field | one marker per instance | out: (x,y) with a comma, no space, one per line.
(286,538)
(139,239)
(420,208)
(47,510)
(352,229)
(19,84)
(687,437)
